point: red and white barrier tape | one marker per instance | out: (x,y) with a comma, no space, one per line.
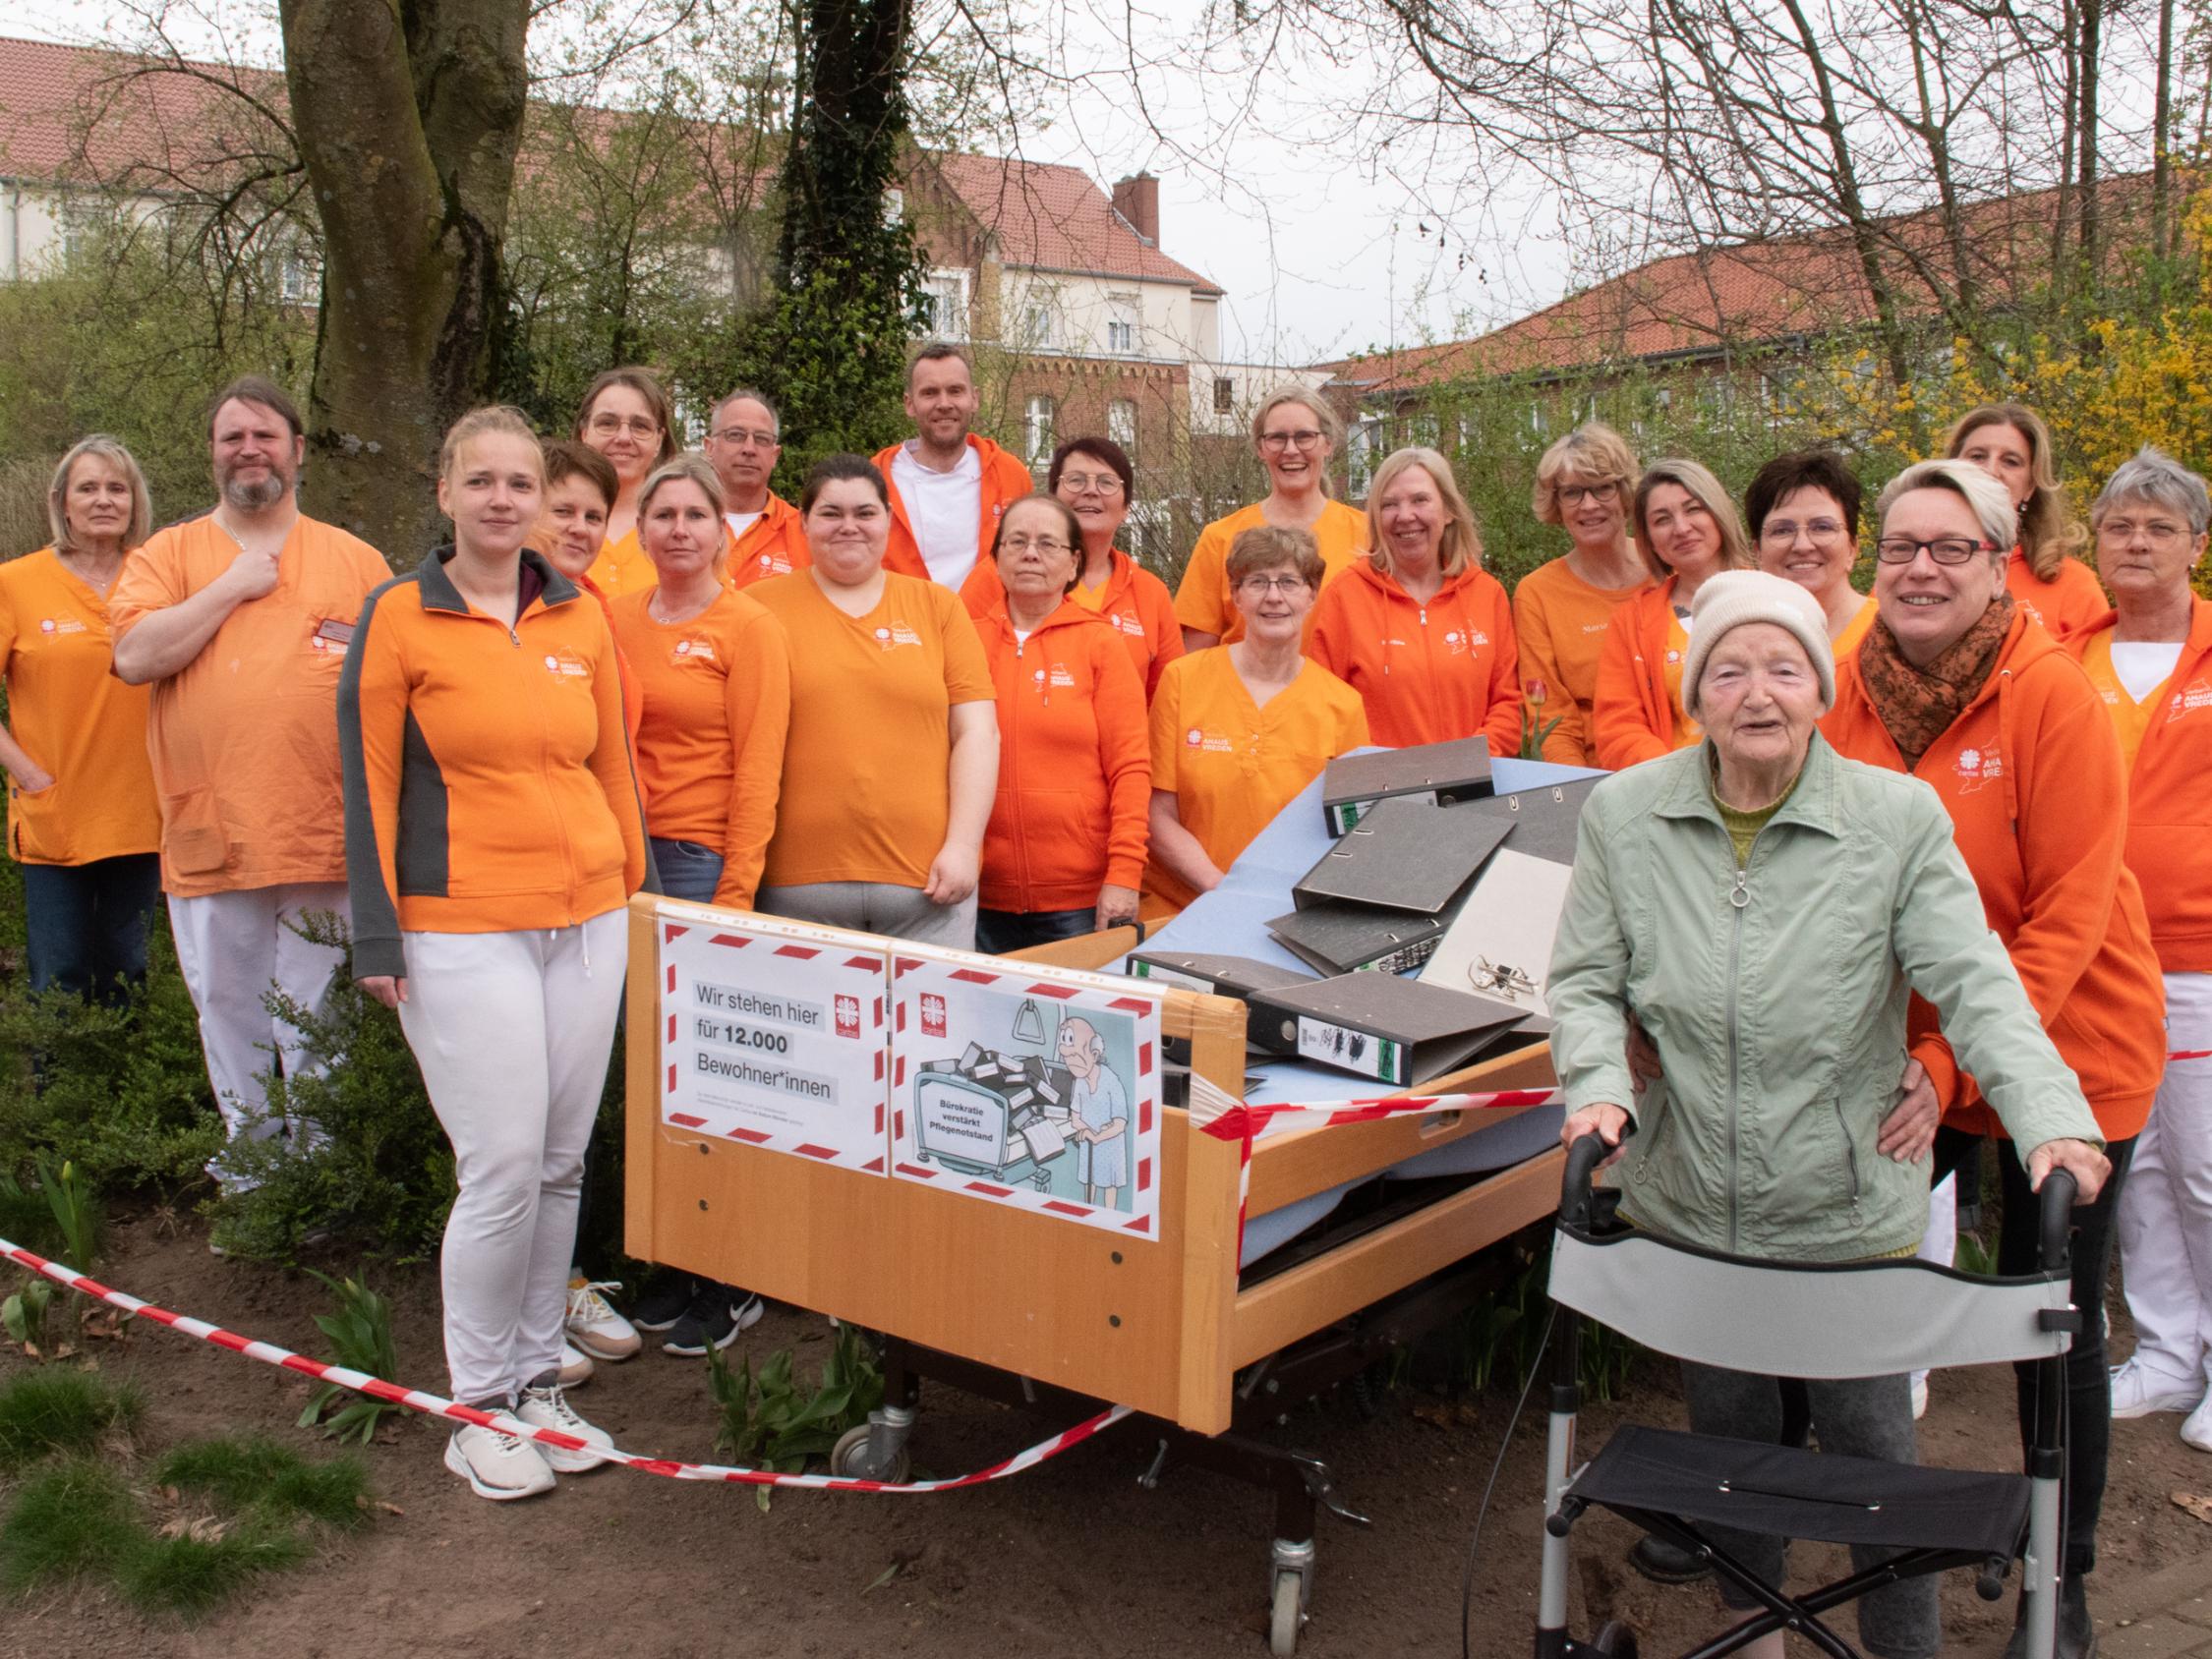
(2190,1053)
(436,1406)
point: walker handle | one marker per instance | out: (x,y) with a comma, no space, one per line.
(2058,1196)
(1583,1159)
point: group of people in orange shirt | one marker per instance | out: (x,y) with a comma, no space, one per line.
(931,701)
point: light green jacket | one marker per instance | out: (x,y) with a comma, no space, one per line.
(1777,997)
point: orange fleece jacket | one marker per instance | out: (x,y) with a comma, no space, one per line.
(2030,774)
(1075,759)
(1428,672)
(1005,482)
(774,545)
(718,703)
(2169,813)
(2067,604)
(488,783)
(1134,601)
(1559,623)
(1632,718)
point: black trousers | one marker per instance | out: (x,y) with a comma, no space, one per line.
(2088,1419)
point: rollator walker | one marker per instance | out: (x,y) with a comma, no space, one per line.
(1814,1321)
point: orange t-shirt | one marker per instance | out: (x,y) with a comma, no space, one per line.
(866,794)
(2065,605)
(1559,623)
(1204,602)
(2129,718)
(1233,764)
(1429,671)
(774,545)
(75,718)
(622,567)
(710,751)
(244,736)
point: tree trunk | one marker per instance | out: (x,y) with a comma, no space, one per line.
(2085,134)
(846,130)
(2162,144)
(408,119)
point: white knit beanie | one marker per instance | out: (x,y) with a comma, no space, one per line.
(1736,596)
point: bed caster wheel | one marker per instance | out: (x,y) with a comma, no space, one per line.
(1615,1640)
(1286,1616)
(855,1457)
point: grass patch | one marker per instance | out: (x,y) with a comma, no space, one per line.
(52,1410)
(197,1569)
(77,1520)
(259,1475)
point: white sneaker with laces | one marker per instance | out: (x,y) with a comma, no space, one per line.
(548,1408)
(2137,1391)
(593,1324)
(497,1465)
(576,1366)
(2197,1428)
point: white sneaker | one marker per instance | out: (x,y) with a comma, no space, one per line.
(2137,1391)
(2197,1428)
(548,1408)
(1919,1398)
(497,1465)
(576,1366)
(593,1324)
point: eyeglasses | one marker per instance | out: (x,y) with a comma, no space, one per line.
(1045,544)
(1575,494)
(1081,484)
(1260,586)
(1304,438)
(735,436)
(637,426)
(2159,533)
(1944,550)
(1782,532)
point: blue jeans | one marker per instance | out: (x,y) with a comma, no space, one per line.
(998,932)
(86,923)
(689,869)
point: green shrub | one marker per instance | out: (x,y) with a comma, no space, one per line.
(360,1334)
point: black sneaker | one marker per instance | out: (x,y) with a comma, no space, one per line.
(708,1323)
(1664,1562)
(665,1301)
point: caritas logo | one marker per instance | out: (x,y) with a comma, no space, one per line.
(1193,737)
(1977,768)
(932,1015)
(847,1015)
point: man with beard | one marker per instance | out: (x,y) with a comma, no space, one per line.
(948,488)
(239,620)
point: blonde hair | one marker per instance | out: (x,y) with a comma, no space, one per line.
(501,418)
(1324,417)
(686,467)
(1594,450)
(2048,530)
(1988,499)
(1461,545)
(1706,490)
(111,451)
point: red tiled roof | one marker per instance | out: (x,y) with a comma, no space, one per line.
(1750,294)
(1050,217)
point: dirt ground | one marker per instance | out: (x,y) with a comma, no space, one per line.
(1070,1559)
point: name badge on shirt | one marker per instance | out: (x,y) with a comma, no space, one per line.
(330,633)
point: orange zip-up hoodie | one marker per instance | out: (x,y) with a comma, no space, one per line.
(1632,718)
(2168,815)
(2030,774)
(487,782)
(774,545)
(1005,482)
(1133,601)
(1074,764)
(1428,672)
(2067,604)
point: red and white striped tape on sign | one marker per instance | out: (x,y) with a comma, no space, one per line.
(436,1406)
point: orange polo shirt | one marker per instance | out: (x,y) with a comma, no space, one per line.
(1233,764)
(1204,602)
(2030,774)
(866,795)
(1075,796)
(1559,625)
(75,718)
(1006,480)
(2063,606)
(622,567)
(2169,810)
(1429,671)
(244,736)
(774,545)
(1132,599)
(1637,713)
(709,753)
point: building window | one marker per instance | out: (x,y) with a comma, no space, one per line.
(1364,452)
(1120,425)
(1123,335)
(1224,395)
(1036,326)
(299,276)
(1037,428)
(894,205)
(944,305)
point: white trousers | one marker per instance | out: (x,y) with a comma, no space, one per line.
(2166,1207)
(232,948)
(513,1032)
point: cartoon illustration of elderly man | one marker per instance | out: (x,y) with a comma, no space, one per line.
(1100,1105)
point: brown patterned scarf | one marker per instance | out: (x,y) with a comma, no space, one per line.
(1920,705)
